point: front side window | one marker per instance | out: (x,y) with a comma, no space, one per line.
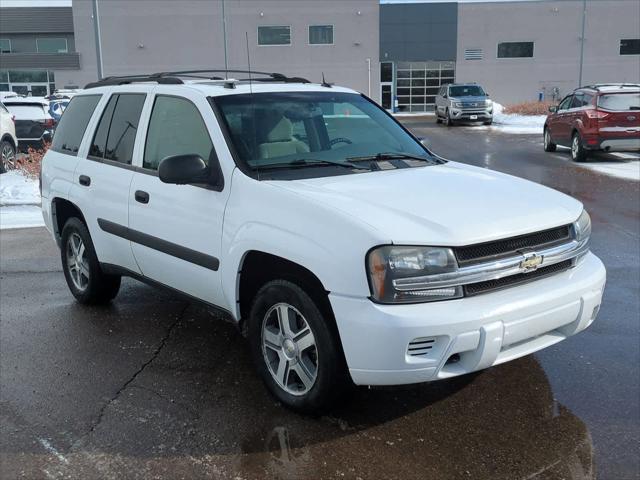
(630,46)
(116,133)
(73,124)
(274,35)
(5,45)
(51,45)
(316,129)
(320,34)
(175,128)
(466,91)
(515,49)
(564,104)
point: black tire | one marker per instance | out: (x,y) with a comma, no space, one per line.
(7,152)
(547,141)
(438,119)
(331,378)
(578,152)
(447,118)
(100,287)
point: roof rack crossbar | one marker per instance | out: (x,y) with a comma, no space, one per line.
(172,78)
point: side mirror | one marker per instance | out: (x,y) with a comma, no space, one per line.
(553,108)
(184,169)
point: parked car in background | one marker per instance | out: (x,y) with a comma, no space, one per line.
(233,191)
(463,102)
(603,117)
(56,107)
(8,140)
(33,121)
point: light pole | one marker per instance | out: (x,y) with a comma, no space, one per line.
(584,19)
(224,38)
(96,31)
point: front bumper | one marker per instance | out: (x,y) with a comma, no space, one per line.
(477,331)
(479,115)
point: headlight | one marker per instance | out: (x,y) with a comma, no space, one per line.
(488,102)
(395,274)
(457,104)
(582,227)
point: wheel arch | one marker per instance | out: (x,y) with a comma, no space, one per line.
(259,267)
(8,138)
(61,211)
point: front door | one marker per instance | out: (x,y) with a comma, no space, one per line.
(176,230)
(386,85)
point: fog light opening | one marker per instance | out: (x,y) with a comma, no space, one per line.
(455,358)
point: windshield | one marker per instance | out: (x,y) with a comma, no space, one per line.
(316,130)
(466,91)
(620,101)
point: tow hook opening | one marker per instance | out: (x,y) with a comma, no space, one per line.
(455,358)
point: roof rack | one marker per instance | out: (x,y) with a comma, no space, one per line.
(173,78)
(597,86)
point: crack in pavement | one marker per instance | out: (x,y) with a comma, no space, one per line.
(126,384)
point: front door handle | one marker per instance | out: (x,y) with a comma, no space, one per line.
(84,180)
(142,197)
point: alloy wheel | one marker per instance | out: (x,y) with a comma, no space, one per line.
(289,349)
(77,262)
(575,146)
(8,157)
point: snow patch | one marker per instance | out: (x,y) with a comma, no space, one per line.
(627,170)
(514,123)
(20,216)
(18,189)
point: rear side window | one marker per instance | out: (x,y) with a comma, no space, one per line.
(175,128)
(116,132)
(73,124)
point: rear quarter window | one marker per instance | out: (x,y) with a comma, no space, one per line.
(73,124)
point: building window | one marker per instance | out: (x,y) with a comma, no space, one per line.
(5,45)
(515,50)
(274,35)
(51,45)
(630,46)
(473,54)
(320,34)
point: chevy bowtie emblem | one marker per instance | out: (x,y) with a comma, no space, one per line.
(531,261)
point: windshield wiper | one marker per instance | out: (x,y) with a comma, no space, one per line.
(312,162)
(378,157)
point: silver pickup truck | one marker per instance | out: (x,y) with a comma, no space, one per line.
(463,102)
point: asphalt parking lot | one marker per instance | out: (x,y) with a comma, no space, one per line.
(153,387)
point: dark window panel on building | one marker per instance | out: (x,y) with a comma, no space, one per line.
(321,34)
(515,50)
(274,35)
(630,46)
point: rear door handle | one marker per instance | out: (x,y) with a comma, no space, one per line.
(84,180)
(142,197)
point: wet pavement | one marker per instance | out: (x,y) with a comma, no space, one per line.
(153,387)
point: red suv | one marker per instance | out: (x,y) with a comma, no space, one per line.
(602,117)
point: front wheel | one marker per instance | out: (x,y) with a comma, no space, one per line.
(578,152)
(549,146)
(295,348)
(88,284)
(447,119)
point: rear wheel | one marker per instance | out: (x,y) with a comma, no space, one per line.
(549,146)
(295,348)
(578,152)
(7,156)
(87,282)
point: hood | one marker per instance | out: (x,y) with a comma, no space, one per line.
(441,205)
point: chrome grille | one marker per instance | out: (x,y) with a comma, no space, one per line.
(483,252)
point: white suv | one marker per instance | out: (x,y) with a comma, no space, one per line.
(344,249)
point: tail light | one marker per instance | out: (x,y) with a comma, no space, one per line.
(597,114)
(49,123)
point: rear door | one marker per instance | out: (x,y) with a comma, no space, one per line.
(103,178)
(176,230)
